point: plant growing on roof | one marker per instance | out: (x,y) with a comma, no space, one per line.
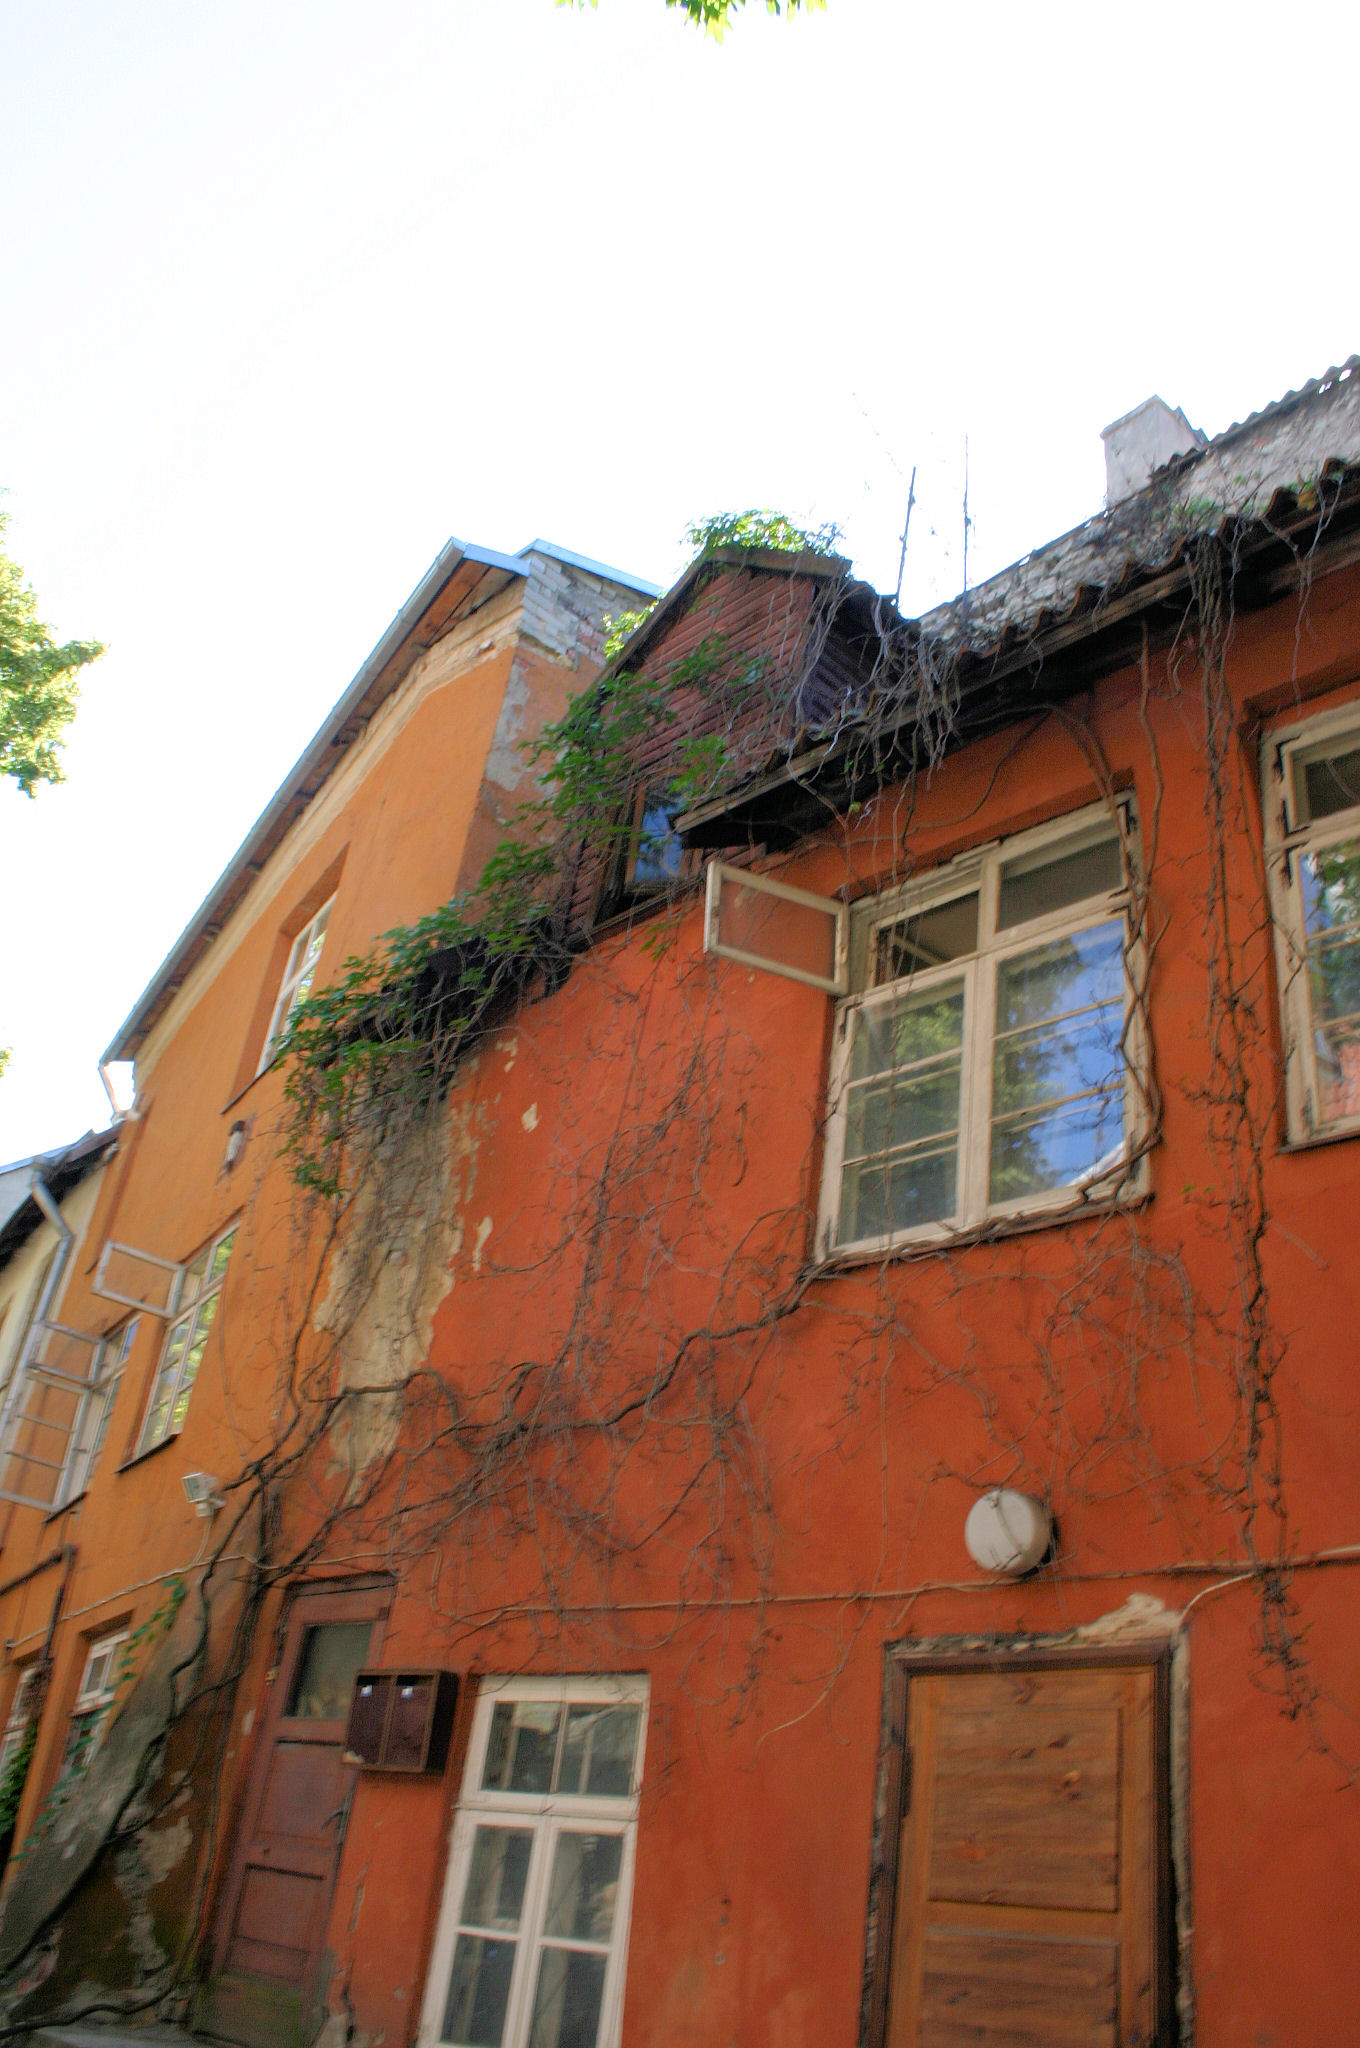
(715,17)
(759,528)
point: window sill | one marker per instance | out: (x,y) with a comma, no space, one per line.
(151,1451)
(996,1230)
(1317,1139)
(253,1082)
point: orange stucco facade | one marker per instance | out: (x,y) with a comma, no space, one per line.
(744,1472)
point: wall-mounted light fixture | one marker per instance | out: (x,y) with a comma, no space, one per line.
(1008,1532)
(200,1490)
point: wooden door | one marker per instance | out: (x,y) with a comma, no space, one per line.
(1030,1879)
(278,1890)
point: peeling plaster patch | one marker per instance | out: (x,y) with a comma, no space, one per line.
(505,762)
(509,1046)
(1142,1614)
(484,1229)
(247,1720)
(163,1849)
(393,1271)
(530,1117)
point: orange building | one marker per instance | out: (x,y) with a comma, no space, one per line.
(791,1475)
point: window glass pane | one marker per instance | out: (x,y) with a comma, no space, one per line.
(895,1035)
(1037,883)
(1058,1064)
(495,1886)
(659,856)
(881,1197)
(947,932)
(297,954)
(1057,1148)
(1046,1062)
(902,1118)
(193,1273)
(1065,975)
(1330,882)
(174,1346)
(899,1109)
(331,1656)
(1332,783)
(568,1999)
(479,1990)
(597,1757)
(522,1747)
(585,1887)
(220,1257)
(97,1670)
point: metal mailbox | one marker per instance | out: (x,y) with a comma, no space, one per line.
(401,1720)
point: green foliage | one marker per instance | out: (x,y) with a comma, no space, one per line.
(619,630)
(389,1029)
(715,17)
(158,1623)
(38,690)
(759,529)
(16,1776)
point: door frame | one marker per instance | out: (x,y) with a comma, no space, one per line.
(306,1603)
(905,1661)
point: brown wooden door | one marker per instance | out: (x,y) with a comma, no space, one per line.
(1030,1881)
(282,1873)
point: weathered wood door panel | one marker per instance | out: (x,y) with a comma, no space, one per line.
(277,1893)
(1029,1876)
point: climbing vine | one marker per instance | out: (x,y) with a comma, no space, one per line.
(602,1452)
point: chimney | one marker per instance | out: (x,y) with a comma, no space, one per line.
(1141,442)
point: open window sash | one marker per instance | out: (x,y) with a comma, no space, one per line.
(137,1279)
(782,930)
(60,1373)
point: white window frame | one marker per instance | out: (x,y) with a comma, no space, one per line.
(87,1438)
(192,1297)
(980,869)
(1289,835)
(92,1703)
(298,975)
(548,1815)
(721,877)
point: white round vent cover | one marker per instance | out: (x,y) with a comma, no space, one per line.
(1007,1532)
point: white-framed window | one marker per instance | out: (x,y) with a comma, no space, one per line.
(199,1290)
(988,1059)
(304,956)
(88,1437)
(532,1937)
(20,1719)
(1312,792)
(98,1685)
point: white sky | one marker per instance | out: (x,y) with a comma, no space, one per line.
(294,289)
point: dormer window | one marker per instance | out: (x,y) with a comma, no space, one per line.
(655,859)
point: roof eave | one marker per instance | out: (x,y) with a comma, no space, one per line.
(787,802)
(400,646)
